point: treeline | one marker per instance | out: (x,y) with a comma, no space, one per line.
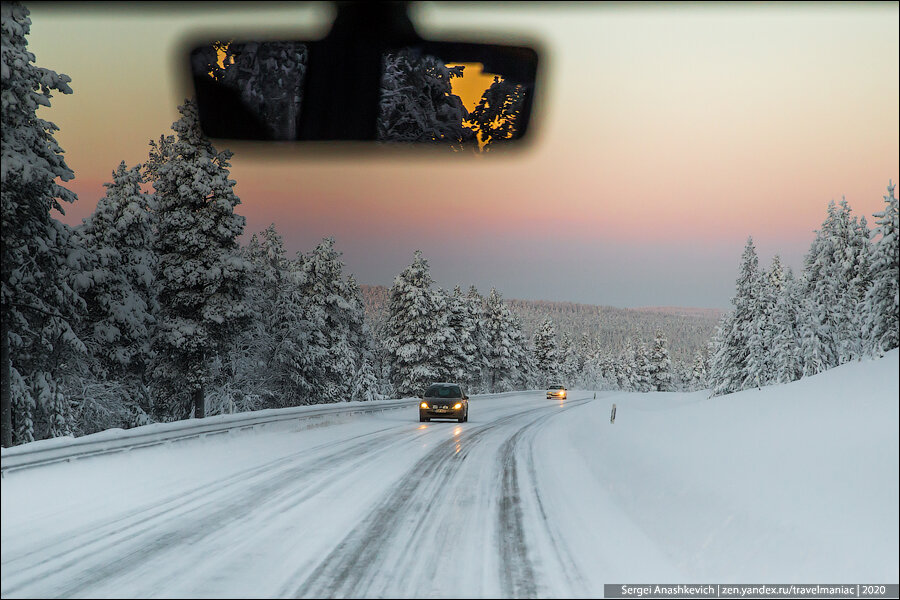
(589,346)
(430,334)
(843,306)
(612,329)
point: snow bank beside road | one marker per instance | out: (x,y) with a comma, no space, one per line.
(791,483)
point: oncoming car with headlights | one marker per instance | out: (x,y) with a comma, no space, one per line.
(444,401)
(556,391)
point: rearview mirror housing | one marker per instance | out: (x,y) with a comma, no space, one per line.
(372,78)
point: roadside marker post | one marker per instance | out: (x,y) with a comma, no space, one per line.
(612,414)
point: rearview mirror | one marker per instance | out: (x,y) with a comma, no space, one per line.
(362,84)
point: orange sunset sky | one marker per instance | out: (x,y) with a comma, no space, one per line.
(662,137)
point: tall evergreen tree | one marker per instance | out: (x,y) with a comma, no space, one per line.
(835,279)
(785,345)
(38,303)
(120,294)
(730,357)
(661,377)
(298,340)
(201,275)
(476,320)
(412,329)
(501,354)
(523,367)
(460,351)
(881,303)
(121,302)
(545,352)
(365,384)
(331,310)
(641,371)
(699,371)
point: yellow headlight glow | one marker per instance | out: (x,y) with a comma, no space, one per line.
(424,405)
(457,406)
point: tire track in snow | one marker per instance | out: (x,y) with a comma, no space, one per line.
(127,543)
(519,578)
(71,540)
(351,569)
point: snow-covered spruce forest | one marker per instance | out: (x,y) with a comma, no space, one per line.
(152,309)
(842,306)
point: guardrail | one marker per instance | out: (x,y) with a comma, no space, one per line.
(118,440)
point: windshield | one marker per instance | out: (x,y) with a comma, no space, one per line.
(443,391)
(213,354)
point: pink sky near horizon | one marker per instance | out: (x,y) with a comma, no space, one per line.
(663,137)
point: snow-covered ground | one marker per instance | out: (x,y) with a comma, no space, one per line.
(531,497)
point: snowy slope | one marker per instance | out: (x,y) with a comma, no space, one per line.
(531,497)
(789,483)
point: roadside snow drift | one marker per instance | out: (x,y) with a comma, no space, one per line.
(789,483)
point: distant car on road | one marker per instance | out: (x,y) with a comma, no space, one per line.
(444,401)
(556,391)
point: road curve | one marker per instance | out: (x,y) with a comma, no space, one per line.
(373,506)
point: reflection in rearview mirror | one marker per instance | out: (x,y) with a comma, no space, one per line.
(465,97)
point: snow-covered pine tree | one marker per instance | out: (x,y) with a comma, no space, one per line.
(460,350)
(298,340)
(881,304)
(359,334)
(523,366)
(786,362)
(546,358)
(661,378)
(835,277)
(699,369)
(120,293)
(365,384)
(760,367)
(758,330)
(38,304)
(467,332)
(201,275)
(641,371)
(476,308)
(441,339)
(330,305)
(411,327)
(730,357)
(625,367)
(852,250)
(120,296)
(568,360)
(857,271)
(501,354)
(266,357)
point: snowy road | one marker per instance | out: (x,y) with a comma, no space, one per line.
(530,498)
(371,506)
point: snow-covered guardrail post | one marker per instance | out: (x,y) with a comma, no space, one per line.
(612,414)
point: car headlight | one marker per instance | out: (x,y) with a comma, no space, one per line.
(423,405)
(457,406)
